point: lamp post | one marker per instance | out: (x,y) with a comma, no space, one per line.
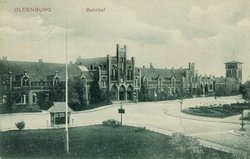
(181,101)
(242,122)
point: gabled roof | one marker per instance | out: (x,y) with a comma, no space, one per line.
(38,70)
(59,107)
(178,73)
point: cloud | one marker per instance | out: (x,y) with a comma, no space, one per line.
(166,33)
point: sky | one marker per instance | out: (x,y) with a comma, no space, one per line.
(166,33)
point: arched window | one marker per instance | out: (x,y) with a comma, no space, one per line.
(91,67)
(57,80)
(26,81)
(136,82)
(114,73)
(130,73)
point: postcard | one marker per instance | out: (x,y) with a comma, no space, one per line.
(125,79)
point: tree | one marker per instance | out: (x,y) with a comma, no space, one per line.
(44,101)
(143,94)
(245,90)
(95,92)
(10,100)
(98,96)
(57,92)
(76,94)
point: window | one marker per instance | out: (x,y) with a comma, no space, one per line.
(103,83)
(136,82)
(114,73)
(91,67)
(26,81)
(57,79)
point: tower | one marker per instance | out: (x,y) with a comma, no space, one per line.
(234,70)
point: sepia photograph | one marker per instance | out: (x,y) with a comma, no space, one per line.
(127,79)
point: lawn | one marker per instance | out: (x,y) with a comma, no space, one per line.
(101,142)
(217,111)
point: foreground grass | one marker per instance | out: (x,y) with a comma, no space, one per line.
(97,142)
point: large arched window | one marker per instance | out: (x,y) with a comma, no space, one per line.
(130,73)
(114,73)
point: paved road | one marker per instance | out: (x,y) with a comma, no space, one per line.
(165,116)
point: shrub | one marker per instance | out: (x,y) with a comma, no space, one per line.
(140,129)
(186,147)
(20,125)
(111,122)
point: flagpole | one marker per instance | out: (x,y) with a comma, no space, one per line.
(66,91)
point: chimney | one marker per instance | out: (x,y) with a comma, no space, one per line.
(40,60)
(5,58)
(71,62)
(143,66)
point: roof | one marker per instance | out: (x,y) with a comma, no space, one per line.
(94,61)
(59,107)
(233,62)
(38,70)
(224,80)
(164,73)
(88,75)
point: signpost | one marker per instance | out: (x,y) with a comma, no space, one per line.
(121,111)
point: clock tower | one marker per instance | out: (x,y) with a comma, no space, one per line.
(234,70)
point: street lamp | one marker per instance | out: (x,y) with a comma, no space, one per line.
(181,101)
(242,122)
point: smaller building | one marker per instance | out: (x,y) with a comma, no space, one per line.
(58,114)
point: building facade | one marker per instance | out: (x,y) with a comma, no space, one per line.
(116,75)
(171,81)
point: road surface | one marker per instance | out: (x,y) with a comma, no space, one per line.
(162,116)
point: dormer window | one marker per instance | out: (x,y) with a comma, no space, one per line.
(26,81)
(56,78)
(173,81)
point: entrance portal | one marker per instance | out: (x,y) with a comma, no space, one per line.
(122,93)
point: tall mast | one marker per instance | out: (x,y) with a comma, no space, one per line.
(66,91)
